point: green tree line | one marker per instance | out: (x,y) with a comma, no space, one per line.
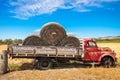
(20,41)
(108,40)
(10,41)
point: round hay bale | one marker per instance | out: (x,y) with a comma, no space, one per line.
(70,41)
(33,40)
(52,33)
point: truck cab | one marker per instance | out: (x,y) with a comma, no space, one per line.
(101,55)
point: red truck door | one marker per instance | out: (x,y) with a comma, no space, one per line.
(91,51)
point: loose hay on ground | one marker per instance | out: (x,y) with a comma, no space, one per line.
(65,74)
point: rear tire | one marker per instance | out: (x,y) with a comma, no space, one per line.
(44,63)
(107,62)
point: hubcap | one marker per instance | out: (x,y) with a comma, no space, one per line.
(45,63)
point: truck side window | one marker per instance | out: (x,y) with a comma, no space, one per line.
(91,44)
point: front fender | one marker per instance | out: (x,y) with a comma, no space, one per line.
(105,55)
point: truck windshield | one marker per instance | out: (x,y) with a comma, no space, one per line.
(91,44)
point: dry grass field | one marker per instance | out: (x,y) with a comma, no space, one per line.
(3,47)
(22,69)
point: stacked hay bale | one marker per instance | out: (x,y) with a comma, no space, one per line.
(70,41)
(33,40)
(52,34)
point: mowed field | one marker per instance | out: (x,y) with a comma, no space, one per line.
(22,69)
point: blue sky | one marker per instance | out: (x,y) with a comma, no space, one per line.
(82,18)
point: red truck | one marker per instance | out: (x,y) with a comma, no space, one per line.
(87,52)
(101,55)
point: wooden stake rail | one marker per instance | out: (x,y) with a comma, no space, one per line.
(43,51)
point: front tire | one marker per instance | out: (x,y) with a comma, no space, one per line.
(107,62)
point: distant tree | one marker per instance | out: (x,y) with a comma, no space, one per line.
(8,41)
(1,41)
(17,41)
(107,39)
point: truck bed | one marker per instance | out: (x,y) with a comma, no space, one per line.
(44,51)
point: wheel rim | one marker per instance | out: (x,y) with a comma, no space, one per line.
(107,62)
(45,64)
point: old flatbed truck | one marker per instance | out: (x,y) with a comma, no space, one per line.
(88,52)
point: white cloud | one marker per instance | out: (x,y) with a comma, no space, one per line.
(23,9)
